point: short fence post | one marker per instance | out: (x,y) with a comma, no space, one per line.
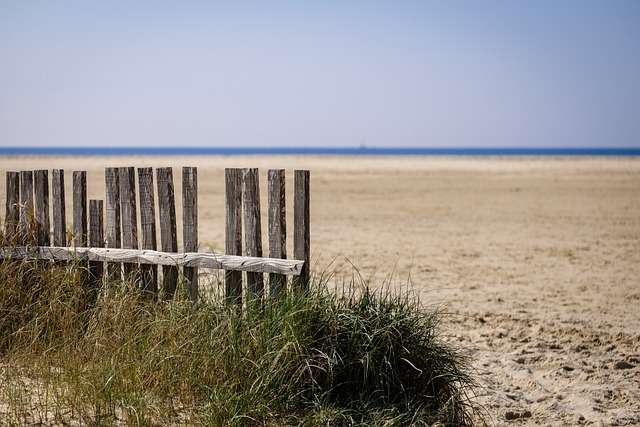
(277,227)
(233,232)
(12,217)
(301,226)
(190,226)
(80,208)
(112,213)
(41,192)
(59,209)
(148,228)
(252,229)
(26,208)
(168,232)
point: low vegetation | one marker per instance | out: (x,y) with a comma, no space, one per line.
(73,355)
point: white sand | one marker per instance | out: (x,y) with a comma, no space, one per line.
(537,258)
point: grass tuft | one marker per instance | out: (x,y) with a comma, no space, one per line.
(355,357)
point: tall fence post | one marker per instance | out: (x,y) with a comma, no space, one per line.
(252,229)
(112,214)
(277,227)
(190,226)
(12,217)
(41,193)
(26,208)
(168,232)
(301,226)
(96,240)
(233,232)
(127,178)
(59,209)
(148,228)
(80,208)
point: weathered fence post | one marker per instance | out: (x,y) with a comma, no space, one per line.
(168,233)
(80,208)
(148,226)
(112,211)
(59,209)
(127,180)
(41,192)
(233,232)
(26,208)
(252,229)
(12,217)
(96,240)
(301,226)
(277,227)
(190,226)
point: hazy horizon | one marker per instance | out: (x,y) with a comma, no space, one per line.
(334,74)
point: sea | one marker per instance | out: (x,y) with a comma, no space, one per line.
(312,151)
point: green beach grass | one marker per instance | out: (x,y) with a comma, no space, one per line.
(75,356)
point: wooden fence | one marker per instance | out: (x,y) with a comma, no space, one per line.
(106,232)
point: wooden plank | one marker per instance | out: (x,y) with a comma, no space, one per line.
(80,208)
(96,239)
(142,256)
(12,217)
(277,227)
(148,228)
(127,181)
(301,226)
(59,208)
(233,232)
(112,217)
(41,201)
(252,228)
(190,226)
(26,208)
(168,232)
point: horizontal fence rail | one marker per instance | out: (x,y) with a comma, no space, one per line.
(184,259)
(117,236)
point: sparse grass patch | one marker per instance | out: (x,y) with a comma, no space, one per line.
(361,357)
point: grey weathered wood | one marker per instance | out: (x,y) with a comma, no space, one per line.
(127,181)
(148,228)
(112,217)
(59,208)
(26,208)
(12,217)
(190,226)
(277,226)
(301,226)
(80,208)
(252,228)
(233,232)
(96,237)
(142,256)
(41,202)
(168,233)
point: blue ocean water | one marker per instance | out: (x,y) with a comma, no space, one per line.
(358,151)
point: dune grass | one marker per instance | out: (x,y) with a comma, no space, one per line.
(107,356)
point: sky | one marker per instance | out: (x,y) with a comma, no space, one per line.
(543,73)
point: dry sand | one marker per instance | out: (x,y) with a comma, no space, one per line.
(538,259)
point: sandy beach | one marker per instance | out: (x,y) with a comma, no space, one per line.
(537,260)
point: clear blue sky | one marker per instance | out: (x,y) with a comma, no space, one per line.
(327,73)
